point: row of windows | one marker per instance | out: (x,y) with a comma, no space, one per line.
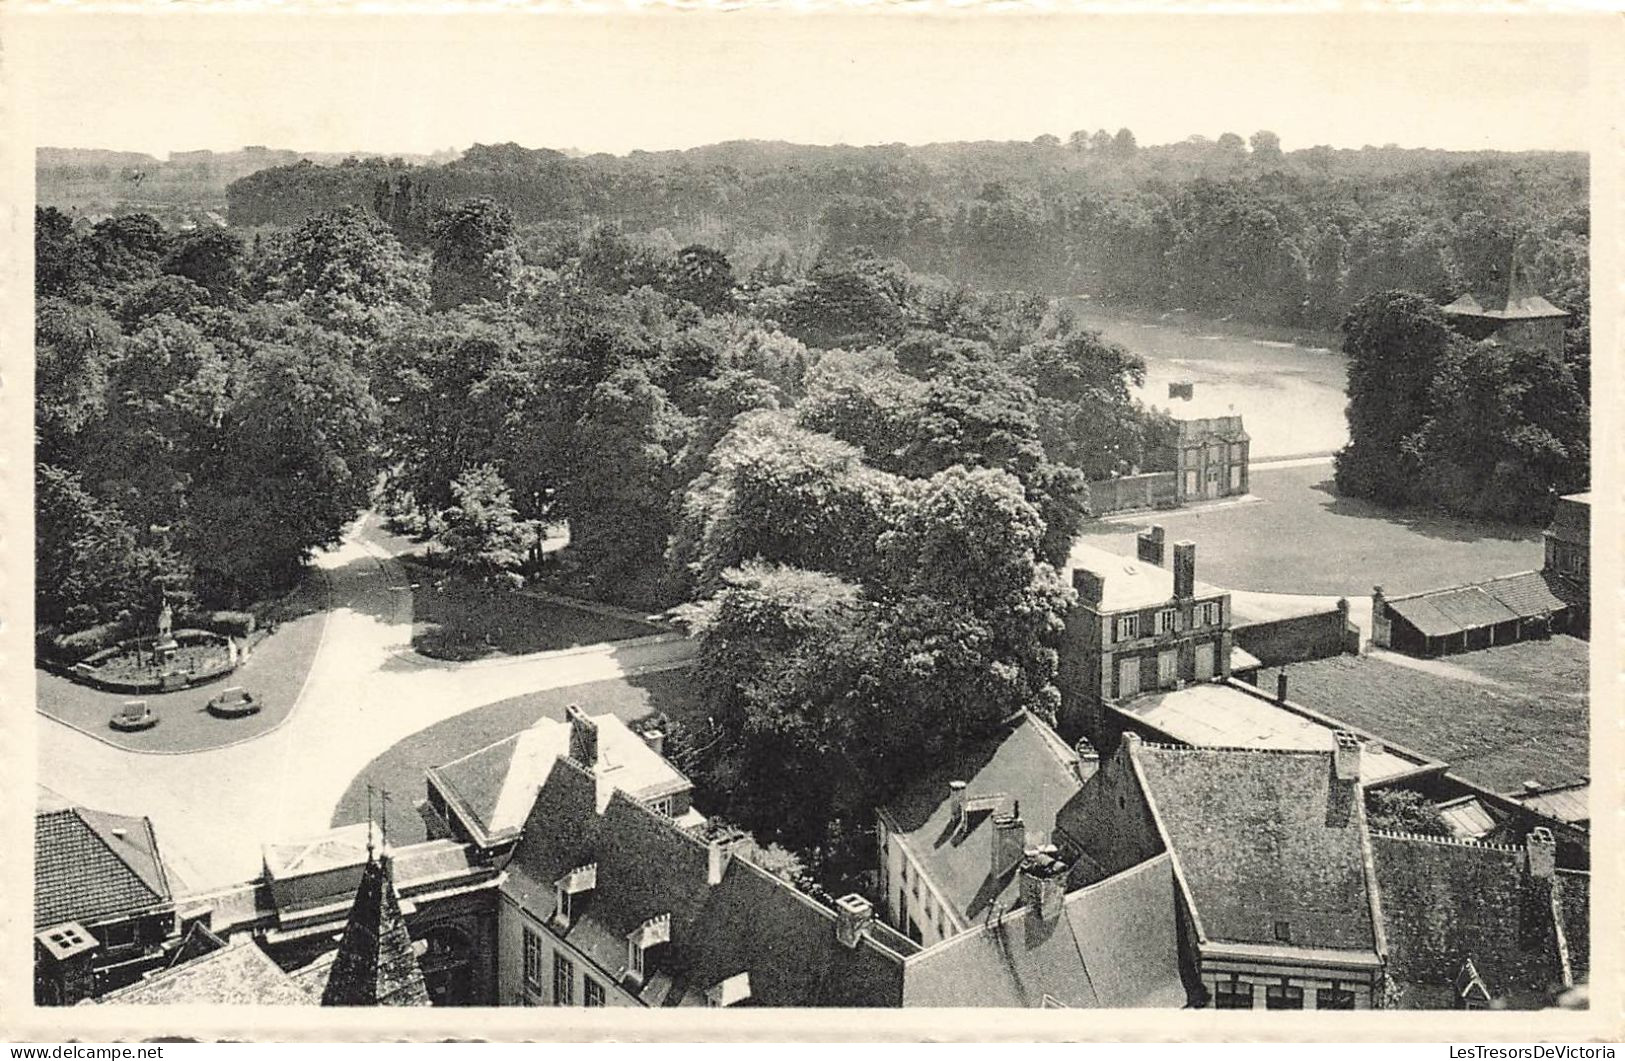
(1127,627)
(564,975)
(1234,994)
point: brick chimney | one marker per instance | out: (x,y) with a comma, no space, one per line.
(1184,570)
(1089,586)
(1149,545)
(583,737)
(656,740)
(853,914)
(956,803)
(1542,847)
(1009,842)
(1346,757)
(1043,883)
(1088,762)
(1280,686)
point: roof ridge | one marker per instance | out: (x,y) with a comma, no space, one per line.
(78,812)
(1392,834)
(669,823)
(1458,587)
(1197,748)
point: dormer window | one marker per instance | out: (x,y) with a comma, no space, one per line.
(651,933)
(576,882)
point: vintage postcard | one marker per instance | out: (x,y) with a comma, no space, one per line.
(996,524)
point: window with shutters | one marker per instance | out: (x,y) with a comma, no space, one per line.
(1127,628)
(1167,621)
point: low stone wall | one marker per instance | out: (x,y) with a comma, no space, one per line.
(1300,638)
(86,671)
(1131,492)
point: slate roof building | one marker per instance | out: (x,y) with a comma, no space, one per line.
(236,974)
(1138,626)
(484,797)
(620,906)
(1476,925)
(1510,310)
(1285,899)
(104,906)
(951,842)
(1111,944)
(1499,611)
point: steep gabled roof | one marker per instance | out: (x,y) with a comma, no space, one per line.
(493,788)
(1114,946)
(376,964)
(1445,902)
(1262,837)
(648,867)
(1026,764)
(91,865)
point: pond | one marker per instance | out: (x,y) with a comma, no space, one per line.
(1290,394)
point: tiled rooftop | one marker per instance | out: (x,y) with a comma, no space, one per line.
(1027,764)
(1261,838)
(1113,946)
(90,865)
(1442,612)
(1220,715)
(239,974)
(1445,901)
(647,867)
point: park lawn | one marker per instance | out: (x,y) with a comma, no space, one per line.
(1301,537)
(1530,729)
(400,769)
(275,673)
(457,619)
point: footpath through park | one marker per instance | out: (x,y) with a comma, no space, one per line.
(214,810)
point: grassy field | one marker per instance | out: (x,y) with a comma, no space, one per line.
(275,673)
(454,619)
(1506,715)
(400,769)
(1303,538)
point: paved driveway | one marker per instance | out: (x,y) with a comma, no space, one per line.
(367,690)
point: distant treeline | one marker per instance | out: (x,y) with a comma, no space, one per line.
(1215,226)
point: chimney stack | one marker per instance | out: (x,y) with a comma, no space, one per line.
(583,737)
(1280,686)
(1542,847)
(956,803)
(718,854)
(1043,883)
(1009,842)
(853,914)
(1089,586)
(1149,545)
(1184,570)
(656,740)
(1346,757)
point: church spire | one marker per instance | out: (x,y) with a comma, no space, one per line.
(376,965)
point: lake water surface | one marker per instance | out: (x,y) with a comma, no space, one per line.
(1291,397)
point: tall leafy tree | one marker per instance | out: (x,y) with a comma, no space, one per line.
(476,255)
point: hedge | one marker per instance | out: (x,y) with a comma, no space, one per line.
(232,624)
(87,642)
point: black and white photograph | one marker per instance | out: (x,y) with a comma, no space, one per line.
(942,511)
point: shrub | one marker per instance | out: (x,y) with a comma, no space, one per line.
(87,642)
(232,624)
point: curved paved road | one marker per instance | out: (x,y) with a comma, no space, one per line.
(213,810)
